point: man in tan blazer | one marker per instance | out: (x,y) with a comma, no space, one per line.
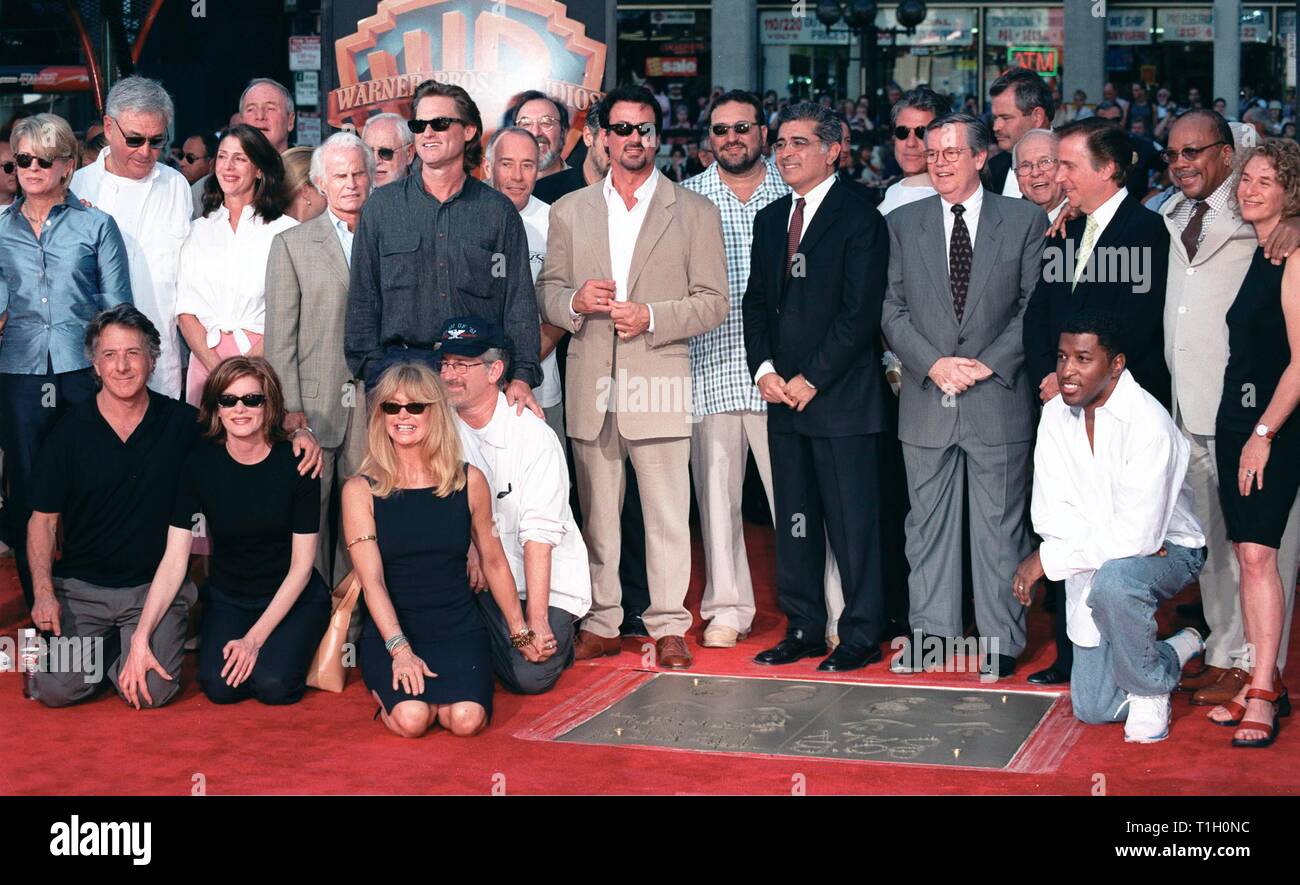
(306,300)
(1210,250)
(635,266)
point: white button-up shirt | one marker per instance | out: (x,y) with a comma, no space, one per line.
(153,215)
(223,274)
(523,461)
(537,225)
(971,216)
(341,231)
(1125,496)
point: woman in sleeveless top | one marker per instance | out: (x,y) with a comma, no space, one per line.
(409,519)
(1257,440)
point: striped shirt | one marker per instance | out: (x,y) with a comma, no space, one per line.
(720,379)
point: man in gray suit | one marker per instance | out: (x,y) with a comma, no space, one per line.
(306,301)
(965,406)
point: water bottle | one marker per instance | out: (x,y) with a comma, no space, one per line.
(30,654)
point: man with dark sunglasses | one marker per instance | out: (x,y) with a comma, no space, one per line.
(8,177)
(151,203)
(198,153)
(909,117)
(440,244)
(393,145)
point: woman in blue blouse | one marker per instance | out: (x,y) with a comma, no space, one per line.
(60,264)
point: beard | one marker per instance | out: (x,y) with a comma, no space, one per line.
(747,161)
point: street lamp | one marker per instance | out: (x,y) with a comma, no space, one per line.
(860,17)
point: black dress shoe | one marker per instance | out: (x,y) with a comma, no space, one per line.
(850,657)
(1049,676)
(1000,666)
(791,649)
(632,626)
(910,658)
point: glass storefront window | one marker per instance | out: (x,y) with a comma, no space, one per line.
(667,48)
(1033,37)
(941,53)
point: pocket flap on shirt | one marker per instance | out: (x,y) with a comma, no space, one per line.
(396,245)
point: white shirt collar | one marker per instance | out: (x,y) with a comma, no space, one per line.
(339,224)
(535,207)
(971,203)
(494,432)
(101,162)
(816,195)
(1106,211)
(641,194)
(1053,214)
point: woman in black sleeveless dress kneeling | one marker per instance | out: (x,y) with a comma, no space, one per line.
(409,519)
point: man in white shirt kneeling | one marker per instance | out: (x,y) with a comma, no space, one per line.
(1113,508)
(523,461)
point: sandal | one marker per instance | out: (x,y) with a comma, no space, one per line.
(1279,700)
(1238,711)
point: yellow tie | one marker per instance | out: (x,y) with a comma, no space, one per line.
(1089,239)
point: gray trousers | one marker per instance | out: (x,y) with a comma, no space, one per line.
(555,419)
(516,672)
(1124,597)
(937,480)
(87,612)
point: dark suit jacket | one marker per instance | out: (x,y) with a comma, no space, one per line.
(826,323)
(1141,234)
(998,169)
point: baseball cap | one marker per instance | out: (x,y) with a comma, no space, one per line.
(470,336)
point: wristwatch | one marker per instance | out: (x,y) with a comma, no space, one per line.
(1262,430)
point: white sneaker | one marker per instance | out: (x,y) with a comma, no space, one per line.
(1187,644)
(1148,719)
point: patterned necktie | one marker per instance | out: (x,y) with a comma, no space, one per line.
(960,254)
(795,234)
(1089,238)
(1192,233)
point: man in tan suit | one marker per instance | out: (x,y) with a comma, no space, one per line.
(1210,250)
(635,266)
(306,300)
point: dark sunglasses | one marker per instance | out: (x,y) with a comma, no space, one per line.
(1188,153)
(155,142)
(901,132)
(8,168)
(252,400)
(25,161)
(193,158)
(624,129)
(439,124)
(743,127)
(392,408)
(386,154)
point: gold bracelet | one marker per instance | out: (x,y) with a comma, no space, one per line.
(362,538)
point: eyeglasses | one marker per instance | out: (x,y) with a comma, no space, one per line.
(25,161)
(392,408)
(385,154)
(950,155)
(623,129)
(901,133)
(193,158)
(8,168)
(1045,164)
(252,400)
(546,122)
(742,128)
(460,368)
(1189,154)
(439,124)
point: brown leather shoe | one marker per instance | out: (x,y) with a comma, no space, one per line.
(589,645)
(671,651)
(1203,678)
(1222,691)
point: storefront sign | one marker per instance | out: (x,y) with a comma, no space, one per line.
(306,88)
(307,131)
(942,27)
(1185,25)
(783,29)
(1128,27)
(671,66)
(304,53)
(665,17)
(1008,26)
(1043,60)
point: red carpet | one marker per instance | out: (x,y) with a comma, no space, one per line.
(327,744)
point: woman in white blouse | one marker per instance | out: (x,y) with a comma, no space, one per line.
(221,291)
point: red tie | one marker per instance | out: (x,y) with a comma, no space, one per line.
(796,232)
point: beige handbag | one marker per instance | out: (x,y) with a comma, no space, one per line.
(327,671)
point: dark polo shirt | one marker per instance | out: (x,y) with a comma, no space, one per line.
(115,497)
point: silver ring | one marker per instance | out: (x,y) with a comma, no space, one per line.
(1250,473)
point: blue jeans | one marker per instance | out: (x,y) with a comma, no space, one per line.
(1124,598)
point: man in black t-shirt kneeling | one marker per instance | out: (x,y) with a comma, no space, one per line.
(109,471)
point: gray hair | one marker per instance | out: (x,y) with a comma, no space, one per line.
(339,141)
(267,81)
(827,122)
(978,135)
(127,315)
(922,98)
(399,123)
(518,130)
(1044,133)
(142,95)
(492,354)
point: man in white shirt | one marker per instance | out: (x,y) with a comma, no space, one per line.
(510,164)
(1021,101)
(524,466)
(151,204)
(909,117)
(1113,508)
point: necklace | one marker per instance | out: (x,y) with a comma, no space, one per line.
(36,221)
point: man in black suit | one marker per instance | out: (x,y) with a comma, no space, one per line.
(812,339)
(1021,101)
(1115,259)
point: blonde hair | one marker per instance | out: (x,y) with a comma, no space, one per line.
(297,169)
(48,136)
(442,453)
